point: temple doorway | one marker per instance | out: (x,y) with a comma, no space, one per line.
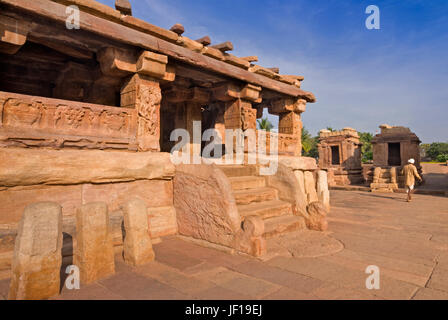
(394,157)
(335,155)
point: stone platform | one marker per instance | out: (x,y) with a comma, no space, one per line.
(407,241)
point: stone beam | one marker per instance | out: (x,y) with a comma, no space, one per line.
(123,34)
(223,47)
(205,41)
(229,91)
(195,94)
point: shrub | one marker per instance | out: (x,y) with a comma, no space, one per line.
(442,157)
(436,149)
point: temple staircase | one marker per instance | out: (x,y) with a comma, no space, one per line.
(384,179)
(253,196)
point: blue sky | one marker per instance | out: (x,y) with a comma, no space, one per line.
(362,78)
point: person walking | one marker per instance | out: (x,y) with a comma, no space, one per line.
(410,173)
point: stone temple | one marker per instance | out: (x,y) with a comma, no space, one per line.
(87,111)
(340,156)
(392,148)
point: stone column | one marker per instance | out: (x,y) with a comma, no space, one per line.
(290,123)
(188,103)
(137,245)
(323,193)
(310,187)
(141,91)
(94,254)
(37,256)
(193,114)
(238,111)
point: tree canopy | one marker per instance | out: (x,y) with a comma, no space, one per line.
(265,124)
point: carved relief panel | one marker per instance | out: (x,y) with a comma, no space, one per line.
(53,122)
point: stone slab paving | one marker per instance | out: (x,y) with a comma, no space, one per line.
(407,241)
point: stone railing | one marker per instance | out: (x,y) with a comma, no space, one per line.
(45,122)
(287,143)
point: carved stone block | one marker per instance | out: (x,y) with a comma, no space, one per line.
(37,254)
(94,254)
(137,246)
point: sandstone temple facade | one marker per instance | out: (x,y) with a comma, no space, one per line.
(87,113)
(392,148)
(340,156)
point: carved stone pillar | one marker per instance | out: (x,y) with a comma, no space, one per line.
(188,103)
(238,111)
(141,89)
(290,124)
(143,93)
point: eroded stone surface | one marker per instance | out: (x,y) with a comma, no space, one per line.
(37,253)
(307,244)
(94,254)
(316,219)
(137,246)
(23,167)
(310,187)
(205,207)
(323,193)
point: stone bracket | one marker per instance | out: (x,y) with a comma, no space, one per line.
(183,94)
(119,62)
(287,105)
(13,34)
(229,92)
(152,64)
(116,62)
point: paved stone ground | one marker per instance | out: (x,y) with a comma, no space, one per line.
(436,176)
(407,241)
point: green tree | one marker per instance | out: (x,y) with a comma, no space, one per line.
(265,124)
(443,157)
(436,149)
(309,144)
(366,149)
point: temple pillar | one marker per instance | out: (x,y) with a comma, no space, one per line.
(238,112)
(290,124)
(188,103)
(143,93)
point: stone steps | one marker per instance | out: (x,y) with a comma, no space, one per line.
(266,209)
(247,182)
(274,227)
(247,196)
(238,170)
(254,197)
